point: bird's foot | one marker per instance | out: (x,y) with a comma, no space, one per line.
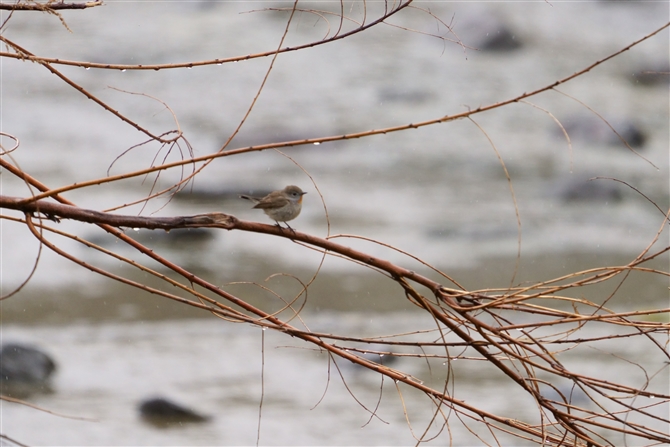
(288,227)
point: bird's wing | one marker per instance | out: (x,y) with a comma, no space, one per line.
(276,202)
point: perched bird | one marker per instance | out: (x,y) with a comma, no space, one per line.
(280,206)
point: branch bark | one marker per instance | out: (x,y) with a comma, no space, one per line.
(48,6)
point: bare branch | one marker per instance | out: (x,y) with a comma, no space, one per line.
(53,6)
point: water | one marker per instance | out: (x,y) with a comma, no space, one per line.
(438,192)
(107,369)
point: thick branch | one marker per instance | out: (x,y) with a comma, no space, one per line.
(48,6)
(55,211)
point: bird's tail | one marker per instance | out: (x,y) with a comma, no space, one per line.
(252,199)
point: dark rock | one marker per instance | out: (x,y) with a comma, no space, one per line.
(564,393)
(174,237)
(489,33)
(198,195)
(592,129)
(652,75)
(580,189)
(385,359)
(404,95)
(500,39)
(24,370)
(20,363)
(161,412)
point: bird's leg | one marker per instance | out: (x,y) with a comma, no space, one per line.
(282,228)
(278,225)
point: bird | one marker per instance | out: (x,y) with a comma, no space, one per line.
(280,206)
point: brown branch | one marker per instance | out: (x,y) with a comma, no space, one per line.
(57,211)
(47,60)
(51,6)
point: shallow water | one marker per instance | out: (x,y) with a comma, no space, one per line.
(117,348)
(106,369)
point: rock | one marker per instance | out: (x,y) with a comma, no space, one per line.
(387,359)
(592,129)
(651,75)
(580,189)
(161,412)
(24,370)
(489,33)
(500,38)
(178,237)
(212,195)
(404,95)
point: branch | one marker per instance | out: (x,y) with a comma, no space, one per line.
(56,211)
(47,60)
(51,6)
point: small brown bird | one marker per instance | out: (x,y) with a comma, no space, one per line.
(280,206)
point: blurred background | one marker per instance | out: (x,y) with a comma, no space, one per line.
(438,192)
